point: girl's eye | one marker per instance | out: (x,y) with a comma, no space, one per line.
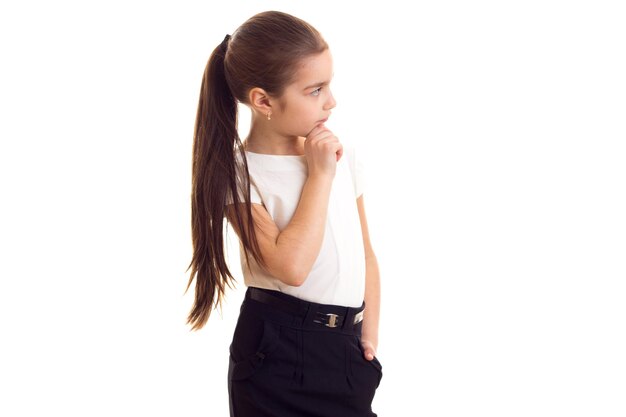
(316,92)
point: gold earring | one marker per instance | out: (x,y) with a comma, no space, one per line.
(269,115)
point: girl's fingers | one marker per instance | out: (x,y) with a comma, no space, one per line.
(368,350)
(316,130)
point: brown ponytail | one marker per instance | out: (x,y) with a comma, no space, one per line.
(263,52)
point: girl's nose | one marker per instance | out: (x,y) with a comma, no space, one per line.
(330,103)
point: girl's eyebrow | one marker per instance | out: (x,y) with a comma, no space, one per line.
(320,84)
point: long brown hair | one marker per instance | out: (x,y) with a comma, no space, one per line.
(263,52)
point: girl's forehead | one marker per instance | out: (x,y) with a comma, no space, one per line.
(315,69)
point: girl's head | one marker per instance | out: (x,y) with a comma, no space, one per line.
(266,51)
(260,65)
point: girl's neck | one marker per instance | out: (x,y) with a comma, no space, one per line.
(264,141)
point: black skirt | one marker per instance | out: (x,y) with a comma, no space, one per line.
(289,357)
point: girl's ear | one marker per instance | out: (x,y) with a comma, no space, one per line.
(260,100)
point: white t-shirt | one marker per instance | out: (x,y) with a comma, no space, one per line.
(338,274)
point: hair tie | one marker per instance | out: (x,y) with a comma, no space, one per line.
(226,39)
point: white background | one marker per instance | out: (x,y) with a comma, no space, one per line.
(493,136)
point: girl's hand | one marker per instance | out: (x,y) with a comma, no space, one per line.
(369,351)
(322,150)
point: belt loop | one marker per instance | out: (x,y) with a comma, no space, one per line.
(300,319)
(310,314)
(346,317)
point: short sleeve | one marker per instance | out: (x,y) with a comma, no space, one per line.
(357,167)
(255,195)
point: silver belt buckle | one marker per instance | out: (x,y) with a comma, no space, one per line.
(332,320)
(358,317)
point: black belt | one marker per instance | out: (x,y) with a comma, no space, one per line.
(329,316)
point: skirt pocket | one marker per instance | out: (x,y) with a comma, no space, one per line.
(375,363)
(246,365)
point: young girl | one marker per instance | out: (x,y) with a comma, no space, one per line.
(306,337)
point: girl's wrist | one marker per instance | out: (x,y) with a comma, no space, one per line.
(372,340)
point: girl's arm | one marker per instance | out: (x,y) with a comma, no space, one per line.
(291,253)
(369,338)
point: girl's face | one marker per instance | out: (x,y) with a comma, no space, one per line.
(307,101)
